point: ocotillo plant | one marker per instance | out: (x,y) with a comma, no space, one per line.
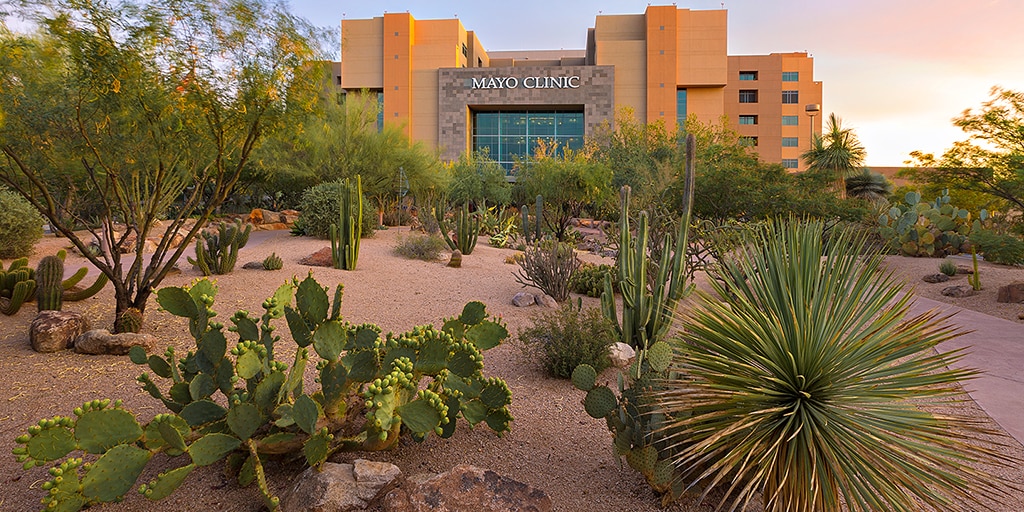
(346,233)
(220,252)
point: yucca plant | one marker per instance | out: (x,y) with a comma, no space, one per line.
(811,386)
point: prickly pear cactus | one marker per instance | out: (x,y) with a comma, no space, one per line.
(372,389)
(923,229)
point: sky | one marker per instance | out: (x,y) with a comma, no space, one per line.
(896,71)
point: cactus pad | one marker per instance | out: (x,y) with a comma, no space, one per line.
(495,394)
(49,440)
(114,473)
(212,448)
(583,377)
(244,419)
(660,356)
(643,459)
(201,412)
(99,429)
(317,447)
(306,413)
(599,402)
(166,483)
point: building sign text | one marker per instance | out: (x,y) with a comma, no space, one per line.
(530,82)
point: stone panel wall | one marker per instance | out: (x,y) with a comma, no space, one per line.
(456,97)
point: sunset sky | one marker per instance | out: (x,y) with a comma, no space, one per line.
(897,71)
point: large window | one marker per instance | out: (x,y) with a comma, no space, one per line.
(680,106)
(380,111)
(790,142)
(790,120)
(748,119)
(790,76)
(748,96)
(748,75)
(507,136)
(790,97)
(790,163)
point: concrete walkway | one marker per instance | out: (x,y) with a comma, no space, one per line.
(996,347)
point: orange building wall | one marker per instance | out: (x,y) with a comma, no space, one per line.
(621,42)
(362,44)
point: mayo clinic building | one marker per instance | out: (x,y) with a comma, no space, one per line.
(436,79)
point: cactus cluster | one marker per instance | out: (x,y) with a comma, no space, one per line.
(463,234)
(345,235)
(273,262)
(371,390)
(532,234)
(20,284)
(217,253)
(589,279)
(924,229)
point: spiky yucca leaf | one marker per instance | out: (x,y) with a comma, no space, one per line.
(809,384)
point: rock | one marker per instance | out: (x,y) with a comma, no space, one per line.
(456,261)
(935,278)
(101,341)
(467,488)
(546,300)
(52,331)
(289,217)
(959,291)
(253,265)
(340,487)
(149,245)
(523,299)
(963,269)
(321,258)
(621,355)
(1011,293)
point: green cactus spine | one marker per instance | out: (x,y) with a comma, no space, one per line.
(217,253)
(463,235)
(49,282)
(345,235)
(273,262)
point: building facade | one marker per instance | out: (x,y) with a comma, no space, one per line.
(436,80)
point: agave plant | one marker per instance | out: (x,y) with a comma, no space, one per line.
(810,386)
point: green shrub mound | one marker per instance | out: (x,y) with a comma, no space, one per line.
(320,209)
(1001,248)
(21,226)
(568,337)
(420,247)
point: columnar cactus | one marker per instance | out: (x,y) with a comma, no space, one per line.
(50,284)
(17,285)
(370,392)
(346,234)
(219,253)
(465,231)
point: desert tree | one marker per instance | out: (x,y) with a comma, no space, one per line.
(147,111)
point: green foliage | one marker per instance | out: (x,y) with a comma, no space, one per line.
(273,262)
(17,285)
(868,185)
(346,232)
(568,337)
(548,265)
(420,247)
(814,347)
(320,208)
(933,229)
(1002,248)
(239,403)
(532,232)
(589,279)
(478,179)
(220,252)
(571,184)
(21,226)
(948,267)
(836,154)
(463,235)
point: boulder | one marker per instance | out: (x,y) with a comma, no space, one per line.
(467,487)
(523,299)
(321,258)
(253,265)
(1011,293)
(340,487)
(935,278)
(52,331)
(546,300)
(101,341)
(289,217)
(621,355)
(958,292)
(456,261)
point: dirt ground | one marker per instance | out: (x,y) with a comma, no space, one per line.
(553,445)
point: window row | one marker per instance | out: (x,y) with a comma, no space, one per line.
(788,97)
(786,120)
(787,76)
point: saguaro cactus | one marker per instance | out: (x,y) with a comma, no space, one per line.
(345,235)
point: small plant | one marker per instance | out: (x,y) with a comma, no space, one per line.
(515,259)
(420,247)
(947,267)
(273,262)
(589,279)
(568,337)
(219,253)
(463,235)
(975,277)
(21,226)
(550,267)
(130,321)
(347,231)
(49,291)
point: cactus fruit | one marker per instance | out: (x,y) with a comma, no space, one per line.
(219,253)
(49,284)
(273,262)
(345,235)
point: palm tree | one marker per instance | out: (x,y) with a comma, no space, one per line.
(837,152)
(811,386)
(868,185)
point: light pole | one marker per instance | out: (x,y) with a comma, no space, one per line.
(811,111)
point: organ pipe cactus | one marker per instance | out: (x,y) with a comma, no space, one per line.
(17,285)
(217,253)
(345,235)
(372,388)
(465,231)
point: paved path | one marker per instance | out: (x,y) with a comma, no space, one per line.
(996,347)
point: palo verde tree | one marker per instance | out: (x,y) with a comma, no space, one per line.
(149,110)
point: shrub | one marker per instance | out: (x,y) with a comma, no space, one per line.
(999,248)
(420,247)
(320,209)
(273,262)
(21,226)
(947,267)
(568,337)
(589,279)
(548,266)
